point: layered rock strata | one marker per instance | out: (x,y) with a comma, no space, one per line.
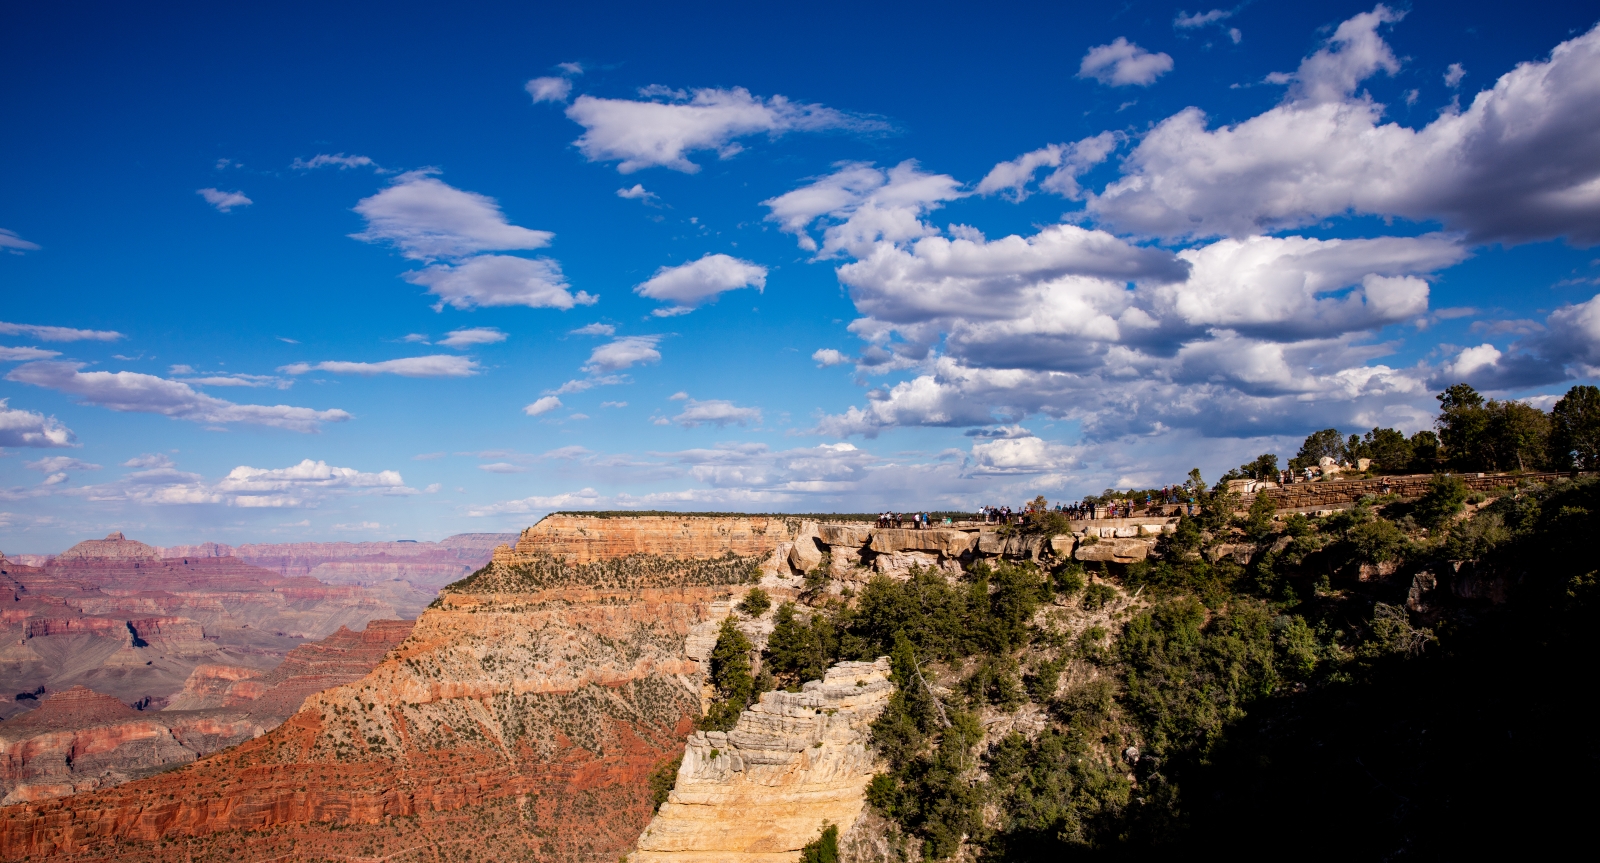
(408,574)
(795,763)
(510,723)
(79,740)
(113,615)
(579,539)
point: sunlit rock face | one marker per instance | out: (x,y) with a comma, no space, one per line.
(795,763)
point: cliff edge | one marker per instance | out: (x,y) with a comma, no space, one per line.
(795,763)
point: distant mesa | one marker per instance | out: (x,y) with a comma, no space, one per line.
(115,547)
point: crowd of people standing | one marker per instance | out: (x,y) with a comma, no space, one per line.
(919,520)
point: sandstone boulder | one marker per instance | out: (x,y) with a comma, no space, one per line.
(1422,586)
(1015,545)
(1115,551)
(805,555)
(898,564)
(948,543)
(1375,571)
(851,535)
(844,563)
(1061,544)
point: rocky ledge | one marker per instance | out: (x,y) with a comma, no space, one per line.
(795,763)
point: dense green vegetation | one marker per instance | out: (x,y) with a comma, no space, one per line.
(542,572)
(731,677)
(662,779)
(825,849)
(1472,434)
(1289,705)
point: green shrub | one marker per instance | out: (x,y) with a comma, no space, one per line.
(994,681)
(730,675)
(1069,579)
(1444,498)
(755,603)
(661,781)
(1096,595)
(823,849)
(1041,684)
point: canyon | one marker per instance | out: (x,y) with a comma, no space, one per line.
(78,739)
(525,710)
(528,705)
(115,616)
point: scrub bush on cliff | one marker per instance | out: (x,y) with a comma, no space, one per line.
(730,675)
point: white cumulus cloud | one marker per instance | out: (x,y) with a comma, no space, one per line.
(469,336)
(500,280)
(662,131)
(20,428)
(13,355)
(542,406)
(689,285)
(1520,163)
(548,89)
(426,218)
(860,205)
(715,412)
(1123,63)
(623,353)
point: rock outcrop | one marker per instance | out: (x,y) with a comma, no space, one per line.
(795,763)
(581,539)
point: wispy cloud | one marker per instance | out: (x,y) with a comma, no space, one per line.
(59,334)
(15,244)
(336,160)
(432,366)
(224,201)
(466,338)
(670,124)
(141,393)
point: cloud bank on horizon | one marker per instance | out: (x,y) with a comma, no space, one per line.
(867,317)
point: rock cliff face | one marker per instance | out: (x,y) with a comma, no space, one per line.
(794,763)
(80,740)
(521,716)
(115,616)
(578,539)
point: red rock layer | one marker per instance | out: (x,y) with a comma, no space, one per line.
(79,740)
(507,725)
(111,615)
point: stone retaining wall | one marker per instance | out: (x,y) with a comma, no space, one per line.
(1342,493)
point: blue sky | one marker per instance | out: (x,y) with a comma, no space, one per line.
(281,272)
